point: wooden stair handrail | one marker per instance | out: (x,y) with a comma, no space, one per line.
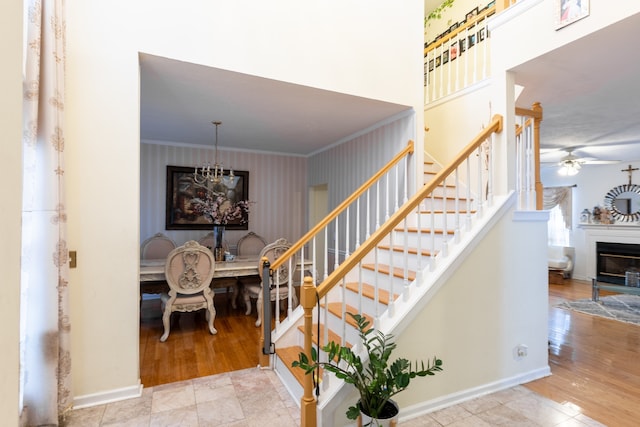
(341,207)
(377,236)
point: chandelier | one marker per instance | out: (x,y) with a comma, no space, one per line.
(212,174)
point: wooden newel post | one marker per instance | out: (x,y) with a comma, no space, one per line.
(536,153)
(308,401)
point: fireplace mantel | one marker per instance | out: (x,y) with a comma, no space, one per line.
(612,233)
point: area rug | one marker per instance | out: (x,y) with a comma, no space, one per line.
(625,308)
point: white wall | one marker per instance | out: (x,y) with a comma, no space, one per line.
(365,48)
(277,188)
(454,123)
(592,183)
(10,214)
(538,20)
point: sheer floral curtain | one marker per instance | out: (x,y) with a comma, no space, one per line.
(45,366)
(558,200)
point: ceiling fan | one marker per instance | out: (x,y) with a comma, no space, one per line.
(570,164)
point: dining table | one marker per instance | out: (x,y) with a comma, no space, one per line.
(152,279)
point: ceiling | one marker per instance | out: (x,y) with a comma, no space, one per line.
(588,90)
(179,100)
(589,93)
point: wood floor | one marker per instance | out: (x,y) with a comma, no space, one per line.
(191,351)
(595,362)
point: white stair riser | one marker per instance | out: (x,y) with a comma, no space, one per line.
(438,220)
(441,204)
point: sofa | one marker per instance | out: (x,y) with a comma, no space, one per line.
(560,260)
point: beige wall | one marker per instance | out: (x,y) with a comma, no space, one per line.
(364,48)
(11,194)
(489,303)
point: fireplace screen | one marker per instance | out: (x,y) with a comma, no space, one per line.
(615,259)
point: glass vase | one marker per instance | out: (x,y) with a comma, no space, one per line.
(218,242)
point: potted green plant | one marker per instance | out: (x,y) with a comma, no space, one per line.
(378,380)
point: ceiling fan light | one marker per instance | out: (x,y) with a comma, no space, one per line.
(569,169)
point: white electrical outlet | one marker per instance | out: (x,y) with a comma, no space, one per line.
(520,351)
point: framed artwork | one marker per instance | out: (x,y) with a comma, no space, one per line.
(445,56)
(463,45)
(471,14)
(453,51)
(438,61)
(431,65)
(481,34)
(183,191)
(569,11)
(472,40)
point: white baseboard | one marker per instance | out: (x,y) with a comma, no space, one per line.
(109,396)
(423,408)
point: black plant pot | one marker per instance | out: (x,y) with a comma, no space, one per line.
(387,417)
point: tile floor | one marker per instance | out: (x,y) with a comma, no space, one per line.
(254,397)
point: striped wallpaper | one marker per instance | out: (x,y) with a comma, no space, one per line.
(277,183)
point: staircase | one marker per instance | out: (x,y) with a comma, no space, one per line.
(386,275)
(374,300)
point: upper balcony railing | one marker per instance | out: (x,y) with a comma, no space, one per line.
(459,58)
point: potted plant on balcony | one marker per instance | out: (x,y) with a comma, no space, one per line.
(376,380)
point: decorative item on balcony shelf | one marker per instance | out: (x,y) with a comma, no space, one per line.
(377,380)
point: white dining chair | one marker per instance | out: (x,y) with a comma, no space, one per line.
(189,270)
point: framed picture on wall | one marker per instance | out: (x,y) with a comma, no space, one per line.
(183,194)
(569,11)
(471,14)
(481,34)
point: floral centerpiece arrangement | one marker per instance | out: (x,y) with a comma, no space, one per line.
(220,210)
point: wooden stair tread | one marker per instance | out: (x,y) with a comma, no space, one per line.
(397,271)
(449,211)
(332,335)
(423,230)
(368,291)
(462,199)
(288,355)
(412,251)
(335,308)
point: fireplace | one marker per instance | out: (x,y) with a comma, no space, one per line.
(614,259)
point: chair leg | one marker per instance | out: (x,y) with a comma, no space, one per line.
(211,315)
(166,317)
(259,310)
(234,296)
(247,302)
